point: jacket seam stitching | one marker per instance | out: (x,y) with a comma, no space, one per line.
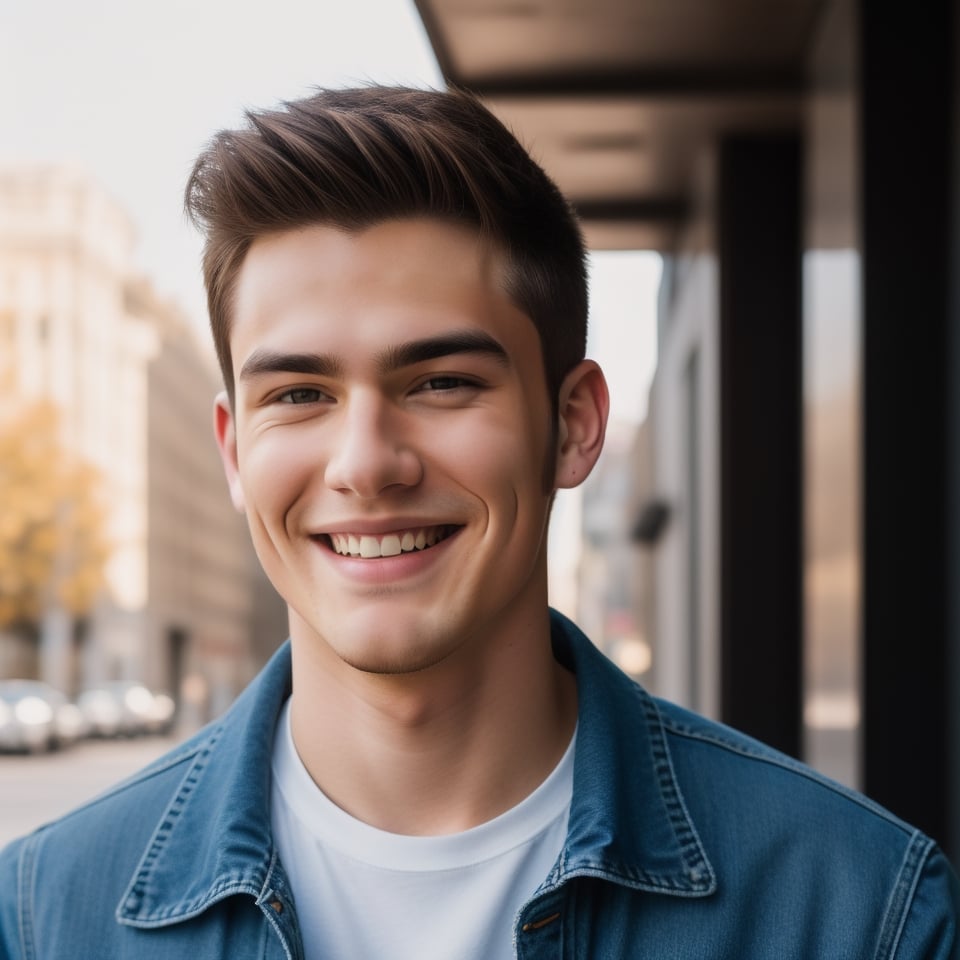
(786,763)
(691,846)
(180,912)
(901,895)
(137,886)
(25,874)
(142,777)
(266,891)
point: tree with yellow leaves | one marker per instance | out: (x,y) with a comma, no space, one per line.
(52,546)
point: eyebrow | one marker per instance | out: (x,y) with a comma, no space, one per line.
(444,345)
(261,363)
(264,362)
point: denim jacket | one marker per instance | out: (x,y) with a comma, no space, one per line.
(686,840)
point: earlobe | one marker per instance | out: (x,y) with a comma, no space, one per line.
(584,405)
(224,429)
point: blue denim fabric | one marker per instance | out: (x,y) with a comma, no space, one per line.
(686,840)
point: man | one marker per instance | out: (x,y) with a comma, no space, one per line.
(435,766)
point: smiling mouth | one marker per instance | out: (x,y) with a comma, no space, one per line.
(369,547)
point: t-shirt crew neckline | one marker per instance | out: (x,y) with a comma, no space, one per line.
(334,827)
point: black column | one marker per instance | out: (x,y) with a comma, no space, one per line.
(907,126)
(952,837)
(759,237)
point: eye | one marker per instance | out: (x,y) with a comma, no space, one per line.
(442,384)
(300,395)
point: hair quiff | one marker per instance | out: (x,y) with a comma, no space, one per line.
(351,158)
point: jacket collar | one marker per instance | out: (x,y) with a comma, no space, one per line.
(628,821)
(214,839)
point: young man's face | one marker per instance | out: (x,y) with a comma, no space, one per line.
(388,439)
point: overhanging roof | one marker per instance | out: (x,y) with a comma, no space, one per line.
(616,98)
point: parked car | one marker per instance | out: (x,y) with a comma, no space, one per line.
(36,717)
(125,708)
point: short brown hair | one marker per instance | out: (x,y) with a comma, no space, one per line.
(352,158)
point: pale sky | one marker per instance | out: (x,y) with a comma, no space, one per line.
(128,92)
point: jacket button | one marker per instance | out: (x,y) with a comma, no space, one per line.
(540,924)
(277,906)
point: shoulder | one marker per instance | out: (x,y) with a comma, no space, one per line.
(736,784)
(761,813)
(733,761)
(105,836)
(125,813)
(224,751)
(90,852)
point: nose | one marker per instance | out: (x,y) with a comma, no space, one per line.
(370,450)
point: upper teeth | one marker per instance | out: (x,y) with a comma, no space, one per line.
(389,545)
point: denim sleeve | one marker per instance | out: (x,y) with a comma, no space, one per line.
(11,947)
(929,928)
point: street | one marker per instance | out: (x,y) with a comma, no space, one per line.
(35,789)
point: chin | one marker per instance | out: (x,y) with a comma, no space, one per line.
(382,659)
(400,649)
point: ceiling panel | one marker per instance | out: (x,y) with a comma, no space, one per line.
(617,98)
(634,148)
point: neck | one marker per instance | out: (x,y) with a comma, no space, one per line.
(440,750)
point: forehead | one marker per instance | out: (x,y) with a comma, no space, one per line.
(405,274)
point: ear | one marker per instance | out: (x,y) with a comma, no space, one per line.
(225,431)
(584,405)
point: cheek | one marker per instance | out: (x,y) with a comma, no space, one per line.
(273,471)
(548,464)
(501,461)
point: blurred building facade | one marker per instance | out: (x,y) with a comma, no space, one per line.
(612,597)
(796,491)
(134,389)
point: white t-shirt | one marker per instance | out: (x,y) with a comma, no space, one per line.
(365,894)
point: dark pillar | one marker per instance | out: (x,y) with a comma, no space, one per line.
(758,242)
(952,838)
(907,175)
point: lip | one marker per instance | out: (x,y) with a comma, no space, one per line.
(380,571)
(382,527)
